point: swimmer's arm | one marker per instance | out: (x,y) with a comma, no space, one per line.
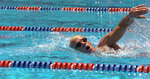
(112,37)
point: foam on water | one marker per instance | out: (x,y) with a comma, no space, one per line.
(135,43)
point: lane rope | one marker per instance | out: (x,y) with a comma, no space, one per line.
(53,29)
(75,66)
(66,8)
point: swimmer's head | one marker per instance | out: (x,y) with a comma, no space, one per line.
(81,43)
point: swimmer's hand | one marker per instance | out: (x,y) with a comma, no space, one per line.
(138,11)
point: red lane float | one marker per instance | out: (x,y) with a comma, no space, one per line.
(69,65)
(61,29)
(68,29)
(13,28)
(59,65)
(73,8)
(80,66)
(28,8)
(53,29)
(76,29)
(146,69)
(3,27)
(140,69)
(10,28)
(64,65)
(72,29)
(119,9)
(7,63)
(53,65)
(57,29)
(74,66)
(65,29)
(91,66)
(4,63)
(85,66)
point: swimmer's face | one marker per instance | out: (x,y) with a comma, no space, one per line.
(81,43)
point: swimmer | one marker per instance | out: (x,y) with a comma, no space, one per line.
(81,43)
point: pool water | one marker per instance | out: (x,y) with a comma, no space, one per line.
(53,46)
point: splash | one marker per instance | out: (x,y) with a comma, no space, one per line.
(53,41)
(134,44)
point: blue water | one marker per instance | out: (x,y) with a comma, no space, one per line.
(53,46)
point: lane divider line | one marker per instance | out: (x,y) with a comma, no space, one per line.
(75,66)
(66,8)
(53,29)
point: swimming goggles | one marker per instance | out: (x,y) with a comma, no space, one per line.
(79,43)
